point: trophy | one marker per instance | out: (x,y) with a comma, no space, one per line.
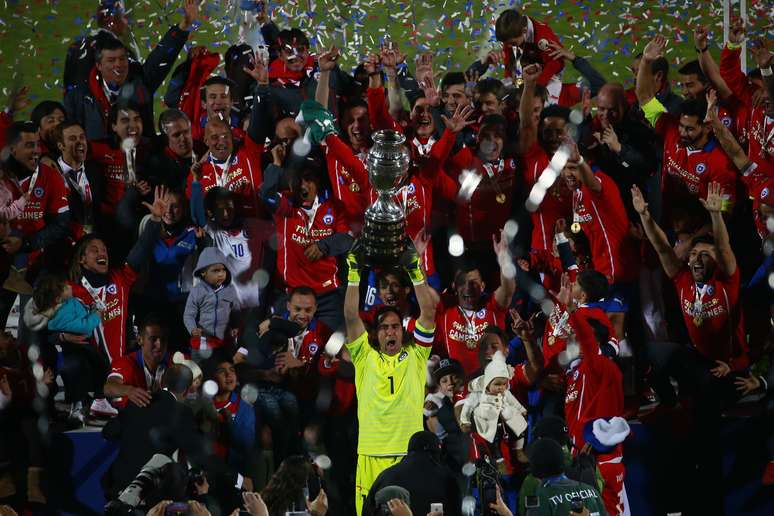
(384,232)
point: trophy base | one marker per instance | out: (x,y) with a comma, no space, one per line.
(383,242)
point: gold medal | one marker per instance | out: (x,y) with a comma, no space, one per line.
(470,343)
(551,340)
(354,187)
(575,227)
(697,320)
(500,198)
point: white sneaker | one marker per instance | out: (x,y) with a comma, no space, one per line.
(102,407)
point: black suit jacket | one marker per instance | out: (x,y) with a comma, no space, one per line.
(162,427)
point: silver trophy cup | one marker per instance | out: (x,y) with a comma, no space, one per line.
(384,232)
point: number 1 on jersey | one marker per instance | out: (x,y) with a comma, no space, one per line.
(392,384)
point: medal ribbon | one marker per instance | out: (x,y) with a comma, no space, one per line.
(423,148)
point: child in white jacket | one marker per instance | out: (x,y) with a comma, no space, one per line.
(499,418)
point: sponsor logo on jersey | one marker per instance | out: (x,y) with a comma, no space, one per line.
(403,355)
(543,44)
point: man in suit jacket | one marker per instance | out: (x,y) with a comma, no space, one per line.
(164,426)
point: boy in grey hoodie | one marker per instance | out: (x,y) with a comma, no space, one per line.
(209,304)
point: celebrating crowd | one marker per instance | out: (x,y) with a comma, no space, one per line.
(197,282)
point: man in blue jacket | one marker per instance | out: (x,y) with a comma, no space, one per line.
(114,78)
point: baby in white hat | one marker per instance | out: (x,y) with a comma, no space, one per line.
(490,402)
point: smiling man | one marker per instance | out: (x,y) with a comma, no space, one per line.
(389,373)
(114,77)
(84,182)
(136,376)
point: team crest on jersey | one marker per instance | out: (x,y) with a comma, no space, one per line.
(411,188)
(38,192)
(511,163)
(313,347)
(328,219)
(701,168)
(402,356)
(575,374)
(481,313)
(710,290)
(726,120)
(764,193)
(112,289)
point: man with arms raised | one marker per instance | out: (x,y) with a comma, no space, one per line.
(389,374)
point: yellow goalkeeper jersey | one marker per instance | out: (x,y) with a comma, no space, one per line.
(390,393)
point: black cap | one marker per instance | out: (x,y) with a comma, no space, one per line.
(552,427)
(546,458)
(447,366)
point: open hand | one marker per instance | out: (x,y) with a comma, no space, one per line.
(746,385)
(638,201)
(160,202)
(190,14)
(460,119)
(721,370)
(714,200)
(558,51)
(655,48)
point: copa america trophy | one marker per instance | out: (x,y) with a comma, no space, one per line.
(384,232)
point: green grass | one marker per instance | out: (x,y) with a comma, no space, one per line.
(35,33)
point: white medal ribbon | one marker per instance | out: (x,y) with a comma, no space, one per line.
(98,295)
(310,213)
(698,303)
(423,148)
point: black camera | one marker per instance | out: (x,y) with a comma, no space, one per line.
(487,480)
(576,505)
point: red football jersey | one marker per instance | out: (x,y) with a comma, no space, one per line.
(297,228)
(604,221)
(111,333)
(692,170)
(713,316)
(557,331)
(48,197)
(112,163)
(132,371)
(557,203)
(594,385)
(345,171)
(242,174)
(485,194)
(459,331)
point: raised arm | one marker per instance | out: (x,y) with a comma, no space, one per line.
(528,125)
(352,320)
(596,80)
(645,88)
(159,62)
(507,287)
(765,59)
(714,205)
(326,62)
(708,64)
(426,298)
(658,239)
(525,330)
(723,134)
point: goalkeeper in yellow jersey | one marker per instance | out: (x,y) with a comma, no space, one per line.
(389,373)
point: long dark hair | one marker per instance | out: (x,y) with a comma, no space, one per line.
(76,273)
(287,484)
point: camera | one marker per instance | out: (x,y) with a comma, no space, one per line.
(487,480)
